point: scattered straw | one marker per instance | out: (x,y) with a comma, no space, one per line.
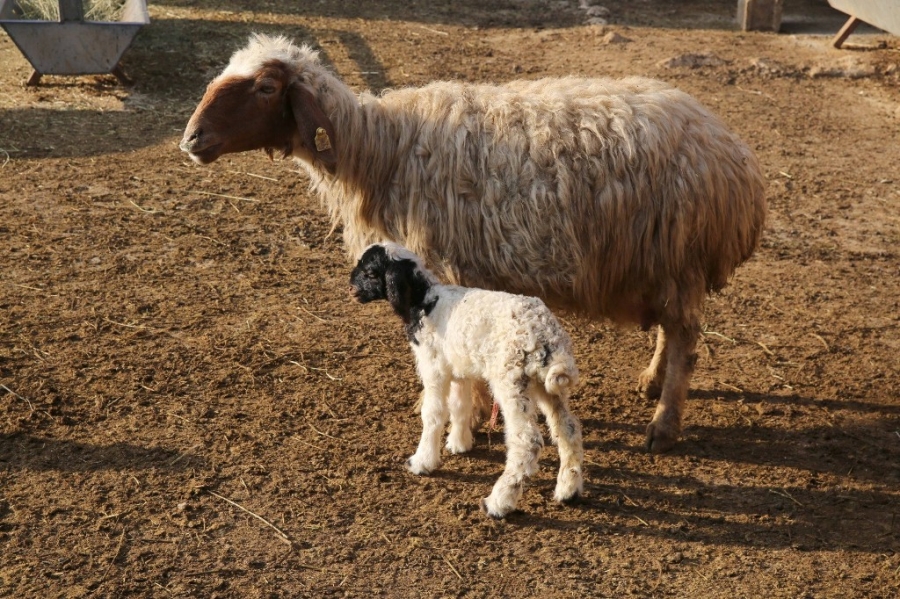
(785,494)
(455,571)
(324,434)
(319,318)
(641,520)
(254,175)
(820,338)
(732,387)
(333,378)
(8,390)
(765,349)
(434,30)
(281,534)
(222,195)
(147,210)
(720,335)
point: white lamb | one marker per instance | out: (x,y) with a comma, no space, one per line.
(511,342)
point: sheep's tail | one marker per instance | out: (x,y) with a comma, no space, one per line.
(561,378)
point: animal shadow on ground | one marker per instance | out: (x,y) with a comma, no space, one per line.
(23,451)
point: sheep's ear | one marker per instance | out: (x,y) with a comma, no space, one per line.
(398,290)
(316,129)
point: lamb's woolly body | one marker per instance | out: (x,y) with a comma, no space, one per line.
(624,199)
(511,342)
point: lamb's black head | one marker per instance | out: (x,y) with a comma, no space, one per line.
(388,271)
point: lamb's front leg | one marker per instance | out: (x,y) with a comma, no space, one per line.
(523,448)
(434,418)
(460,439)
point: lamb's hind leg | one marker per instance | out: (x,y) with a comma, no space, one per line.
(565,430)
(650,382)
(460,438)
(523,448)
(681,343)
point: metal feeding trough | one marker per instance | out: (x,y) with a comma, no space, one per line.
(73,45)
(884,14)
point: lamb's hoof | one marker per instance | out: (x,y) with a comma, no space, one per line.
(660,439)
(569,486)
(419,468)
(492,512)
(649,386)
(567,500)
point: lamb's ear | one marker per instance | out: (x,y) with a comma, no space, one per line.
(316,129)
(398,290)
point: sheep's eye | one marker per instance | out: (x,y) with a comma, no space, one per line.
(371,275)
(267,88)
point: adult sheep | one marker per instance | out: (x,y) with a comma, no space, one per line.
(621,199)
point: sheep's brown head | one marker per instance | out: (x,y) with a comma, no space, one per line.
(260,101)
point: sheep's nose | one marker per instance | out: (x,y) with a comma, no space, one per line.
(191,141)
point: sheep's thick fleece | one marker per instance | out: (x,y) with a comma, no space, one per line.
(625,199)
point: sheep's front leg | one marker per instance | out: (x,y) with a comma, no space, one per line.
(665,428)
(523,448)
(460,439)
(434,418)
(565,430)
(650,382)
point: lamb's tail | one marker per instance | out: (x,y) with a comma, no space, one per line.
(561,378)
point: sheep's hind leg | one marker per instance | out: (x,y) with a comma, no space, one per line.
(523,448)
(434,418)
(460,439)
(681,343)
(650,382)
(565,430)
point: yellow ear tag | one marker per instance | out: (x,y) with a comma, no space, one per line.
(323,142)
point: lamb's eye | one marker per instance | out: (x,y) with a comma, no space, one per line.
(371,275)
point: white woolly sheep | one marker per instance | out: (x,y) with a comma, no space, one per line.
(511,342)
(624,199)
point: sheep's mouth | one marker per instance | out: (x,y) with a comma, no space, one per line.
(206,155)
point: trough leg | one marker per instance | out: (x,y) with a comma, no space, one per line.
(565,431)
(681,343)
(124,79)
(34,78)
(650,381)
(845,32)
(523,448)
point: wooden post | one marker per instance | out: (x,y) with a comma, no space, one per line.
(759,15)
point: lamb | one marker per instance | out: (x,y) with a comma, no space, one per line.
(619,199)
(511,342)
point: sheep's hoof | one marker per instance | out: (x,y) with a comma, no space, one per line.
(569,486)
(496,515)
(649,385)
(660,439)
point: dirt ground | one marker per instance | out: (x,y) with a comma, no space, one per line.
(191,407)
